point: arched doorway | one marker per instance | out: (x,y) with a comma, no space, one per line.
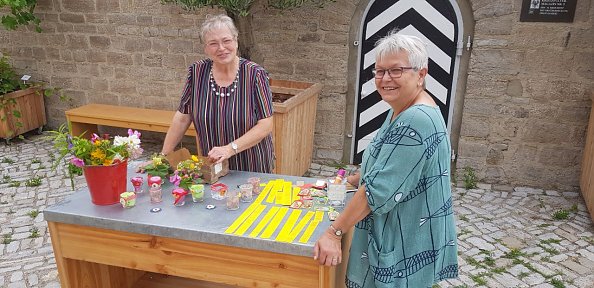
(439,23)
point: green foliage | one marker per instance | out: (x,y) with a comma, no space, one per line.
(470,179)
(21,13)
(14,183)
(561,214)
(33,213)
(7,160)
(557,283)
(34,232)
(33,182)
(242,7)
(9,80)
(6,238)
(159,166)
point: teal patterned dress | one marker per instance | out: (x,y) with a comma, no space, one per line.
(409,238)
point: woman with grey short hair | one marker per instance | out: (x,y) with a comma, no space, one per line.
(401,216)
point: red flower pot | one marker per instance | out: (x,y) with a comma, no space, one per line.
(106,183)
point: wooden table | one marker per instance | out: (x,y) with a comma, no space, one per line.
(109,246)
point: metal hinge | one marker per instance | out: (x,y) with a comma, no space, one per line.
(460,46)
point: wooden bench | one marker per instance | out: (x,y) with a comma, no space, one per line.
(88,117)
(294,123)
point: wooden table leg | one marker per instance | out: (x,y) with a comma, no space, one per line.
(76,129)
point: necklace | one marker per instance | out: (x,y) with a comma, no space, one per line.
(223,91)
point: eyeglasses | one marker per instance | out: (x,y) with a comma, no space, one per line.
(395,72)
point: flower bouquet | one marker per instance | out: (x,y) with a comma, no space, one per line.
(103,161)
(188,172)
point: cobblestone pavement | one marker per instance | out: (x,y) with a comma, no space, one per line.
(508,236)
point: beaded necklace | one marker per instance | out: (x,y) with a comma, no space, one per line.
(223,91)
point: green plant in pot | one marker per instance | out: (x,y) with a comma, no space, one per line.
(158,166)
(22,106)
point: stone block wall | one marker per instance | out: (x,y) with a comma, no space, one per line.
(528,94)
(525,109)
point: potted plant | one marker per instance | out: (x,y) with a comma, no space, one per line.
(21,104)
(103,161)
(159,166)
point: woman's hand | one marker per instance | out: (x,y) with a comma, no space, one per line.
(140,167)
(354,179)
(220,153)
(328,250)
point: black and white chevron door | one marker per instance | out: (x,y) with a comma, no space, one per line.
(436,23)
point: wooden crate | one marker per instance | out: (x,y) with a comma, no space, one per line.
(30,104)
(587,177)
(294,125)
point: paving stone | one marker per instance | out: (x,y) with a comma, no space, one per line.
(574,266)
(16,276)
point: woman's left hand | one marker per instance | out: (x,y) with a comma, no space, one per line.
(328,250)
(220,153)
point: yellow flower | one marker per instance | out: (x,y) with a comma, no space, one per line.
(107,162)
(98,154)
(157,161)
(192,166)
(194,158)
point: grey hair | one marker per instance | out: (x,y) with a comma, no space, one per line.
(413,45)
(216,22)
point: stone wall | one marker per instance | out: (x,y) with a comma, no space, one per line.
(525,109)
(528,94)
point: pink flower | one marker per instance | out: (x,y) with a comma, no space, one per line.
(94,138)
(77,162)
(133,132)
(175,179)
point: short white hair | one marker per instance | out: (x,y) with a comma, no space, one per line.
(413,45)
(216,22)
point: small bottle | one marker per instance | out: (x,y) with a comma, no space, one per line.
(339,176)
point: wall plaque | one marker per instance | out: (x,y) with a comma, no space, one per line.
(547,10)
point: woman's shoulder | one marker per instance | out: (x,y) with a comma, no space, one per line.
(421,115)
(250,65)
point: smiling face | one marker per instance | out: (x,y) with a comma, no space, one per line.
(220,45)
(398,91)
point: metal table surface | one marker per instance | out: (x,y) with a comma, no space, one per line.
(189,222)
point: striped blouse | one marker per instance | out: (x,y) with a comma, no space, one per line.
(220,119)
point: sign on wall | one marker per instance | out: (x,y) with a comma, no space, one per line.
(547,10)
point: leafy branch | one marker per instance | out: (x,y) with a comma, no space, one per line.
(21,13)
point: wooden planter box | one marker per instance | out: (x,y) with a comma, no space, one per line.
(587,177)
(30,104)
(294,125)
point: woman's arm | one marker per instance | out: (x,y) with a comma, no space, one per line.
(328,246)
(177,130)
(252,137)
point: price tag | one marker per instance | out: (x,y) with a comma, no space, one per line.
(218,168)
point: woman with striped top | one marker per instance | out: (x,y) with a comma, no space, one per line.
(229,100)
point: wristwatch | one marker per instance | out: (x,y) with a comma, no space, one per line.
(337,232)
(234,146)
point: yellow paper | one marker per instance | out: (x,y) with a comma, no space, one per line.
(264,221)
(274,223)
(300,226)
(288,227)
(250,220)
(312,227)
(241,218)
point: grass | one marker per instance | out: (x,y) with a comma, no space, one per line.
(463,218)
(33,182)
(35,161)
(33,213)
(7,160)
(563,214)
(470,179)
(479,278)
(557,283)
(34,232)
(5,179)
(523,275)
(14,183)
(6,238)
